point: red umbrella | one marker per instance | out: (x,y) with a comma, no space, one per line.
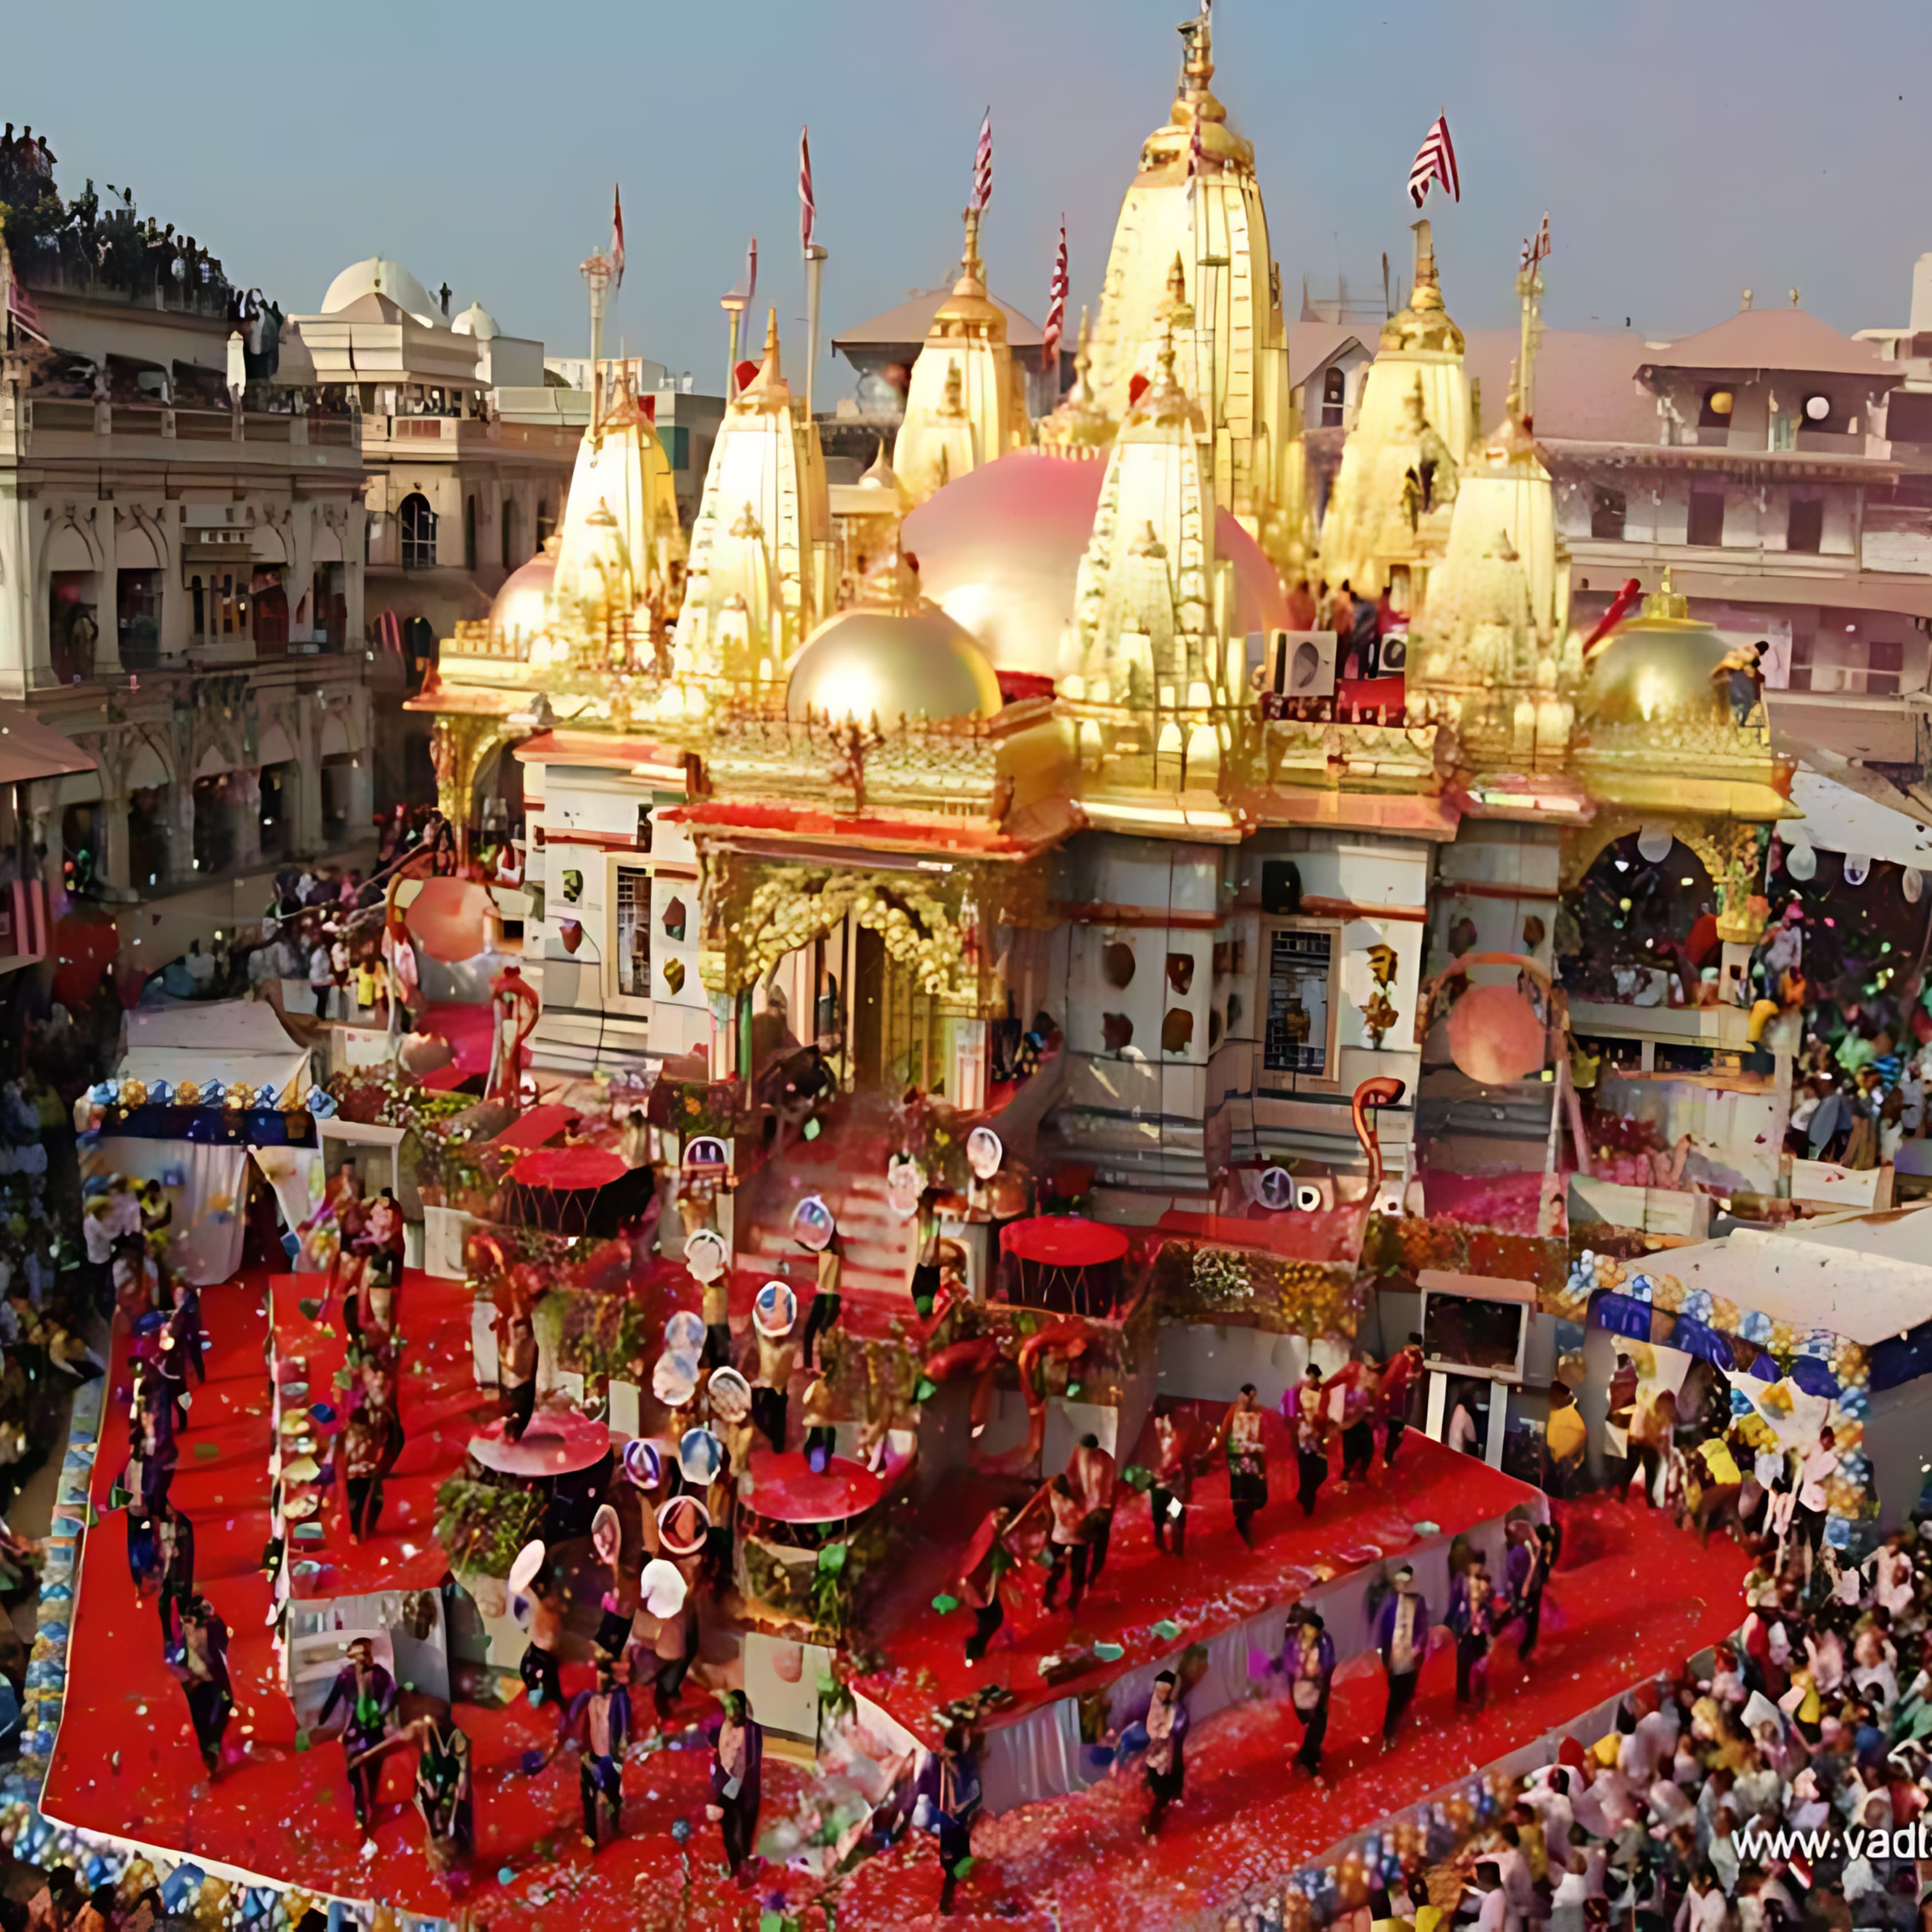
(785,1490)
(557,1442)
(569,1169)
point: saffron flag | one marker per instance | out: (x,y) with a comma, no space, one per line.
(1056,306)
(807,208)
(1435,161)
(982,166)
(617,234)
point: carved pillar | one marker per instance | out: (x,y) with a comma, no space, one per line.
(244,792)
(459,746)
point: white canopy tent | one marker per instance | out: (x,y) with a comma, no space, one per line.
(207,1183)
(1839,819)
(225,1040)
(1866,1277)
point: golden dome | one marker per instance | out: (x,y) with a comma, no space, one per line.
(887,662)
(518,608)
(969,310)
(1425,323)
(1656,669)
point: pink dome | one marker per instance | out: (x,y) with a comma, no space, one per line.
(999,551)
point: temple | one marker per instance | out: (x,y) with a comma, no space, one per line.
(1148,933)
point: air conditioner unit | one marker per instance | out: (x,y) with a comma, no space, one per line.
(1301,664)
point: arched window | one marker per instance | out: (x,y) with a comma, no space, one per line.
(469,533)
(1334,394)
(418,527)
(506,534)
(546,522)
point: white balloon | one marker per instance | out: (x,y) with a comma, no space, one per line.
(1915,885)
(1858,869)
(1801,862)
(1654,842)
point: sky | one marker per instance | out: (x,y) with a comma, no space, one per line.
(1685,149)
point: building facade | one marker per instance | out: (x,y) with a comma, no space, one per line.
(181,594)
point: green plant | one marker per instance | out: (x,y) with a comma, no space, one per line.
(483,1524)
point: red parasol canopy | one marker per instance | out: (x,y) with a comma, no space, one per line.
(558,1442)
(569,1169)
(531,1128)
(1063,1240)
(1495,1036)
(784,1488)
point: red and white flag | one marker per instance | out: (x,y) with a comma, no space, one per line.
(617,236)
(807,208)
(1435,161)
(982,166)
(1056,306)
(1539,249)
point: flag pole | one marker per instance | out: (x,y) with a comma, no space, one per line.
(596,271)
(734,311)
(815,274)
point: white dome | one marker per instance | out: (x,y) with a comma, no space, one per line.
(378,276)
(477,320)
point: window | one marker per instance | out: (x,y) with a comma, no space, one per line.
(1784,432)
(1334,395)
(676,439)
(469,533)
(634,932)
(506,535)
(269,603)
(1607,509)
(1804,529)
(1908,416)
(1716,412)
(1885,661)
(418,521)
(546,522)
(1707,519)
(138,618)
(1300,968)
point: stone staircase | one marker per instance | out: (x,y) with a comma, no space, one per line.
(879,1247)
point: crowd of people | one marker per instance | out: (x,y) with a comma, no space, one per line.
(1782,1784)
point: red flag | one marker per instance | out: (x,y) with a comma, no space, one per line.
(1056,306)
(808,207)
(617,234)
(1435,161)
(982,166)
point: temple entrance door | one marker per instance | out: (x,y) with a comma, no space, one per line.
(869,978)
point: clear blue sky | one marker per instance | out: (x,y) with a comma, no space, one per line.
(1685,147)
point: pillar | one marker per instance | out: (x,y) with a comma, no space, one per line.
(114,856)
(970,1046)
(43,814)
(304,807)
(244,793)
(724,1035)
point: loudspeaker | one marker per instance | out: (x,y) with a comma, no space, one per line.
(1301,664)
(1281,886)
(1395,653)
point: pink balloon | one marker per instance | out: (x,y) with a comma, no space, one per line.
(1494,1036)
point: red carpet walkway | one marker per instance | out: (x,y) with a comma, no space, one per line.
(1633,1595)
(126,1765)
(1221,1583)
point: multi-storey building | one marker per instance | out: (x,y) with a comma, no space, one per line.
(181,594)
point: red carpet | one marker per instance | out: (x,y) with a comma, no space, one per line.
(1221,1582)
(126,1765)
(441,1408)
(1633,1594)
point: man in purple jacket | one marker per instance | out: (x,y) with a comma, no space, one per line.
(1402,1636)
